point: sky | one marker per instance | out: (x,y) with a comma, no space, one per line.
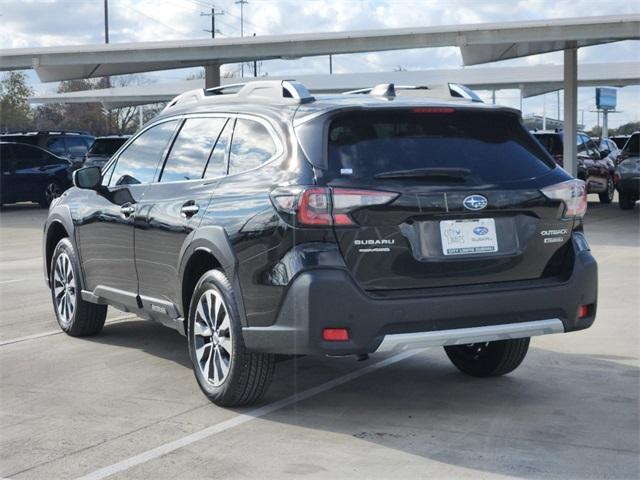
(32,23)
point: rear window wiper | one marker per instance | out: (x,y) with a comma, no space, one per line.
(433,172)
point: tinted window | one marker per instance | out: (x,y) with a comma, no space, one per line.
(31,157)
(6,158)
(493,146)
(56,146)
(251,146)
(138,163)
(552,142)
(106,146)
(217,165)
(191,150)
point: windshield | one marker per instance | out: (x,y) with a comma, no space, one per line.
(106,146)
(491,146)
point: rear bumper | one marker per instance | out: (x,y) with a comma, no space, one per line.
(329,298)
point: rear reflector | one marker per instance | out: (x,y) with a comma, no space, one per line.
(335,335)
(573,194)
(583,311)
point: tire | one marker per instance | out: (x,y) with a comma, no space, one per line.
(489,359)
(607,195)
(51,191)
(226,372)
(75,316)
(626,200)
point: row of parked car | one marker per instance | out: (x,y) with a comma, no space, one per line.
(37,166)
(602,164)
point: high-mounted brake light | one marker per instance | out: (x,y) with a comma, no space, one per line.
(433,110)
(320,206)
(573,194)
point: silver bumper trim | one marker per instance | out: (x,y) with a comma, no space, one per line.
(462,336)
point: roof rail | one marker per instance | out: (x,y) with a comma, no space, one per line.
(448,91)
(283,90)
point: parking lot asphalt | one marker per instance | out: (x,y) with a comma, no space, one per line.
(125,404)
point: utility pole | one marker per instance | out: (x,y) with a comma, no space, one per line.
(213,14)
(106,40)
(544,111)
(242,3)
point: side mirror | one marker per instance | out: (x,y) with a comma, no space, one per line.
(89,178)
(604,154)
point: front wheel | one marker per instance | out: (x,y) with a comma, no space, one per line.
(227,373)
(51,192)
(627,200)
(489,359)
(75,316)
(607,195)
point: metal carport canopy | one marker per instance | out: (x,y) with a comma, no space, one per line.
(479,43)
(532,79)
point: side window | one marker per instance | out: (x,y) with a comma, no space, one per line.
(56,146)
(27,157)
(138,163)
(6,158)
(251,146)
(191,149)
(217,165)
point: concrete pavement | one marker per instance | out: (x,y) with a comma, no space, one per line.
(71,407)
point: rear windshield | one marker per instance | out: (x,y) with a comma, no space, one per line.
(106,146)
(492,146)
(633,145)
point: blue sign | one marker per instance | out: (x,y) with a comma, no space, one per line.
(606,98)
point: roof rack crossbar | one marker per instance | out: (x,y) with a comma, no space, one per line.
(449,91)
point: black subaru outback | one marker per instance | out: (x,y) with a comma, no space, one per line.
(259,220)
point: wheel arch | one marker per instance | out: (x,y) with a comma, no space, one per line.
(208,249)
(58,226)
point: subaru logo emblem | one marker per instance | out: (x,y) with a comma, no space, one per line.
(475,202)
(481,230)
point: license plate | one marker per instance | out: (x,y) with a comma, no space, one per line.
(468,237)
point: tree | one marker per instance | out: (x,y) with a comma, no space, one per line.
(15,112)
(626,129)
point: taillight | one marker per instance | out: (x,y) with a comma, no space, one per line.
(572,193)
(320,206)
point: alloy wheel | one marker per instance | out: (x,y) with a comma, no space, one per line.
(64,289)
(51,192)
(212,338)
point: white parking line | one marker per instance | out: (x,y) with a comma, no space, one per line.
(239,420)
(55,332)
(15,280)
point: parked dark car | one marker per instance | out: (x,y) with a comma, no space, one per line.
(628,173)
(103,149)
(71,145)
(269,222)
(594,166)
(32,174)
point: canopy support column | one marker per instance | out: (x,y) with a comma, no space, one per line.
(570,110)
(212,75)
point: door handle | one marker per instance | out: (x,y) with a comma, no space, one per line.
(127,210)
(189,209)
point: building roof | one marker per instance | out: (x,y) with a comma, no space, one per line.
(479,43)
